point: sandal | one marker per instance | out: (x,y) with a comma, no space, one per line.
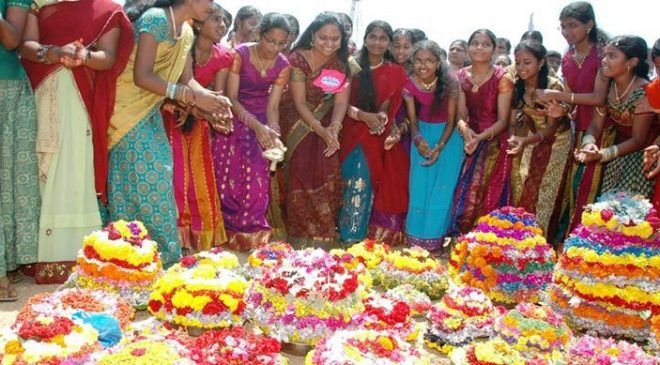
(7,291)
(15,276)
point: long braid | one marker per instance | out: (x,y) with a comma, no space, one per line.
(190,118)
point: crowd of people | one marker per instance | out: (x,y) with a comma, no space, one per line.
(219,131)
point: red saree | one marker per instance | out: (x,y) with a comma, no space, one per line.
(388,170)
(653,94)
(97,88)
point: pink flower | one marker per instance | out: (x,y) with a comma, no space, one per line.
(606,214)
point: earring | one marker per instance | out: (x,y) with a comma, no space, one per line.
(588,30)
(311,43)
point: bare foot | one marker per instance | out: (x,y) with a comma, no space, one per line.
(7,291)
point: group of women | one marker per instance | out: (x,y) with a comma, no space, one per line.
(145,115)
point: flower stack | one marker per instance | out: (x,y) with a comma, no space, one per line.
(235,347)
(534,330)
(47,339)
(167,348)
(492,352)
(413,266)
(355,264)
(506,256)
(309,295)
(462,315)
(202,291)
(371,254)
(384,314)
(654,340)
(68,301)
(353,347)
(265,256)
(606,279)
(418,302)
(589,350)
(121,258)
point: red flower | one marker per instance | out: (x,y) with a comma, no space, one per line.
(188,261)
(138,352)
(155,305)
(654,221)
(215,307)
(606,214)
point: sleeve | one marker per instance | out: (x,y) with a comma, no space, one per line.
(452,85)
(296,73)
(23,4)
(154,22)
(226,59)
(237,62)
(505,85)
(653,94)
(642,106)
(283,78)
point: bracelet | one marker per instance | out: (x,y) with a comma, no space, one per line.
(540,135)
(353,112)
(416,137)
(587,139)
(245,117)
(599,112)
(338,124)
(169,93)
(42,51)
(609,154)
(572,98)
(88,56)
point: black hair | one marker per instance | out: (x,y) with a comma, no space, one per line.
(485,32)
(418,34)
(655,51)
(442,72)
(539,52)
(508,59)
(245,12)
(321,20)
(293,24)
(553,54)
(584,12)
(135,8)
(506,42)
(272,21)
(443,53)
(190,119)
(532,34)
(462,43)
(366,94)
(634,46)
(404,32)
(228,18)
(346,18)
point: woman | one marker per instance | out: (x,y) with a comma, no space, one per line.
(375,179)
(348,27)
(652,152)
(19,189)
(200,222)
(319,89)
(625,63)
(258,75)
(403,42)
(431,96)
(484,108)
(245,28)
(585,87)
(140,182)
(73,74)
(544,149)
(458,56)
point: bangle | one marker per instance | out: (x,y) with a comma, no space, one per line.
(42,52)
(491,134)
(353,112)
(587,139)
(338,125)
(416,137)
(88,56)
(194,97)
(540,136)
(599,112)
(572,98)
(169,93)
(609,154)
(246,117)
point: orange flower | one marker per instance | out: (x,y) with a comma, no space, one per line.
(479,262)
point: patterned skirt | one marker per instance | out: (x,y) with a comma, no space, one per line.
(626,174)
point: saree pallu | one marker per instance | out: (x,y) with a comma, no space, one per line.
(140,163)
(20,198)
(625,174)
(541,173)
(582,186)
(484,184)
(432,189)
(374,207)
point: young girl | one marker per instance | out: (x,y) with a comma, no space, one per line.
(484,108)
(543,150)
(375,179)
(245,27)
(198,202)
(625,63)
(258,75)
(431,96)
(402,47)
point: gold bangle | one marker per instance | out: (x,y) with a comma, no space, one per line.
(572,98)
(587,139)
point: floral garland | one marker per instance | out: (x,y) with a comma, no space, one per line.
(418,302)
(235,347)
(506,256)
(606,279)
(365,347)
(534,330)
(121,258)
(592,350)
(462,315)
(413,266)
(266,255)
(47,339)
(201,291)
(308,295)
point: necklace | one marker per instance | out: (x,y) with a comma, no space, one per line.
(176,35)
(579,60)
(262,69)
(426,86)
(616,89)
(476,84)
(378,65)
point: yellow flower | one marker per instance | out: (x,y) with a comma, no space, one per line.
(386,342)
(14,347)
(229,301)
(182,298)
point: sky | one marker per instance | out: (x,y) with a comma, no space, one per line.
(445,21)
